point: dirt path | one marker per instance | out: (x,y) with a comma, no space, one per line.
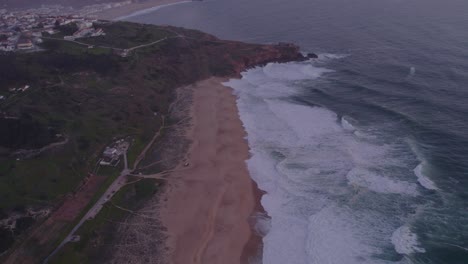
(109,193)
(149,145)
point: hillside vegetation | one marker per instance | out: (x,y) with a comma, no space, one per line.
(86,94)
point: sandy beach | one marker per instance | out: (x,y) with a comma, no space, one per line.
(208,203)
(118,12)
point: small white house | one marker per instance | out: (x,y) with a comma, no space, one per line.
(25,44)
(110,152)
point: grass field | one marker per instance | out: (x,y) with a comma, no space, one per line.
(77,92)
(101,228)
(92,97)
(126,35)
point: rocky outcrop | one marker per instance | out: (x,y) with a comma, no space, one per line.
(270,53)
(199,56)
(312,56)
(260,55)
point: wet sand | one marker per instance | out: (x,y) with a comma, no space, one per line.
(115,13)
(208,204)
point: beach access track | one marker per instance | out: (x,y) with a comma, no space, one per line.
(115,186)
(115,48)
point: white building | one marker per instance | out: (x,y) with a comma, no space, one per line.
(84,24)
(7,48)
(25,44)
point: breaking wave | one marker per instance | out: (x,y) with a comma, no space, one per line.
(423,179)
(333,193)
(405,241)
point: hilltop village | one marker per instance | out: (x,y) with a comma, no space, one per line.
(23,31)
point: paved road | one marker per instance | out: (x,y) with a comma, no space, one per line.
(113,188)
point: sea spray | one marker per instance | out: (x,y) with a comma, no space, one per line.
(405,241)
(427,107)
(332,197)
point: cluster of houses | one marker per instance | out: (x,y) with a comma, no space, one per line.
(112,153)
(21,30)
(85,29)
(19,89)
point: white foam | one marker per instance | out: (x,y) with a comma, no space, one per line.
(301,157)
(149,10)
(291,234)
(377,183)
(423,179)
(346,124)
(366,154)
(305,121)
(293,71)
(363,135)
(405,241)
(330,56)
(262,223)
(335,238)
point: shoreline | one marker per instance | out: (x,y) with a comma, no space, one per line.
(136,9)
(209,205)
(253,250)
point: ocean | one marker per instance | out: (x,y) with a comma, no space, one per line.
(362,152)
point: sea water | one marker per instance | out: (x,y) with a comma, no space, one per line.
(362,152)
(328,191)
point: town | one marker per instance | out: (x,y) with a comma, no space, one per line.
(23,31)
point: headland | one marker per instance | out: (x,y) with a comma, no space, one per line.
(149,94)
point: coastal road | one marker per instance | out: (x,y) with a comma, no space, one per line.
(113,188)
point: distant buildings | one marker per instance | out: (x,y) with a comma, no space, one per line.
(85,32)
(84,24)
(24,44)
(20,89)
(6,47)
(112,153)
(20,31)
(109,157)
(121,52)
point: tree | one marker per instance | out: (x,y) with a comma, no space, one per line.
(6,239)
(68,29)
(51,44)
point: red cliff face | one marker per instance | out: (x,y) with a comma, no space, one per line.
(201,55)
(265,54)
